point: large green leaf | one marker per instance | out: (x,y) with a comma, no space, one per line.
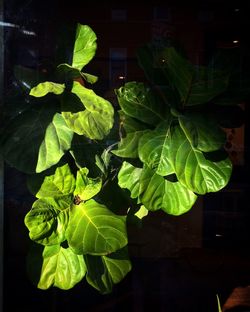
(23,136)
(96,120)
(154,150)
(193,169)
(94,229)
(62,182)
(202,132)
(104,271)
(128,146)
(140,102)
(86,187)
(56,142)
(46,223)
(61,268)
(155,192)
(44,88)
(85,46)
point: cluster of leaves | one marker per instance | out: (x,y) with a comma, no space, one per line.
(80,235)
(171,140)
(174,141)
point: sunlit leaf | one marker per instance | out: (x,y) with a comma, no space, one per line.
(96,120)
(154,150)
(56,142)
(85,46)
(62,182)
(142,212)
(193,169)
(47,224)
(89,78)
(44,88)
(94,229)
(86,187)
(61,268)
(155,192)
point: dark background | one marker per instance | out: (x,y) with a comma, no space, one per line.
(178,264)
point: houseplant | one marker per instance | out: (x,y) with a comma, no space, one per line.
(169,151)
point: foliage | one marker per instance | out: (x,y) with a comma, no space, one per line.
(170,151)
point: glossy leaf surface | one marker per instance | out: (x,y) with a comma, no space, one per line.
(94,229)
(193,170)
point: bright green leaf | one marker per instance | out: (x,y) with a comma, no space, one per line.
(142,212)
(61,268)
(154,150)
(56,142)
(47,224)
(62,182)
(85,46)
(96,120)
(128,146)
(94,229)
(86,187)
(89,78)
(44,88)
(138,101)
(155,192)
(193,169)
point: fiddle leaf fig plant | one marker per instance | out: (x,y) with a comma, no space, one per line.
(169,150)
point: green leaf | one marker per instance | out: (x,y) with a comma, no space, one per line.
(89,78)
(61,268)
(56,142)
(142,212)
(85,46)
(130,124)
(44,88)
(128,177)
(23,136)
(202,132)
(47,224)
(193,169)
(154,150)
(86,188)
(207,84)
(105,271)
(128,146)
(68,72)
(138,101)
(155,192)
(96,120)
(94,229)
(60,183)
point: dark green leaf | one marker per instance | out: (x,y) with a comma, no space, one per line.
(202,132)
(140,102)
